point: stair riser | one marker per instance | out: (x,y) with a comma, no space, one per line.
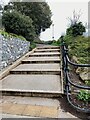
(32,94)
(49,48)
(36,72)
(43,55)
(27,62)
(48,51)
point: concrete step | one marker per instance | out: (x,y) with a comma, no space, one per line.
(48,59)
(32,85)
(47,50)
(45,54)
(29,107)
(51,68)
(48,47)
(33,108)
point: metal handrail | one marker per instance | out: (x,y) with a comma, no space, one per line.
(78,86)
(66,61)
(74,106)
(78,65)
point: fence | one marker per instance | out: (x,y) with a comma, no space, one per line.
(66,62)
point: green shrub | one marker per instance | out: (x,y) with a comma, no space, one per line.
(84,95)
(56,43)
(19,24)
(32,45)
(76,29)
(79,47)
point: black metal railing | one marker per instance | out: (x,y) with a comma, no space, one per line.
(65,62)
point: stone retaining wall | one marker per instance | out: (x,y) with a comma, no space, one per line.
(11,49)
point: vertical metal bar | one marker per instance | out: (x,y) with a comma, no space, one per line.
(66,70)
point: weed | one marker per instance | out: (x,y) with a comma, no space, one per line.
(84,95)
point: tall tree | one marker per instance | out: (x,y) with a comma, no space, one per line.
(39,12)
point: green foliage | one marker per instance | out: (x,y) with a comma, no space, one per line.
(9,35)
(84,95)
(76,29)
(32,45)
(39,12)
(19,24)
(69,39)
(56,43)
(87,82)
(79,47)
(52,42)
(5,34)
(49,42)
(37,41)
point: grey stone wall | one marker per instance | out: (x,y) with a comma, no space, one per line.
(11,49)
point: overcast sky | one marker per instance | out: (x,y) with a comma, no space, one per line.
(61,10)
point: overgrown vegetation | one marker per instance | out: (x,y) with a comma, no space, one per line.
(78,44)
(79,47)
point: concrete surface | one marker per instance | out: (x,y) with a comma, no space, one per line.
(34,106)
(38,67)
(45,54)
(49,58)
(32,82)
(6,71)
(47,50)
(48,47)
(28,107)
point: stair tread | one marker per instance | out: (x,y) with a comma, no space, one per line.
(38,67)
(42,59)
(33,83)
(48,47)
(46,53)
(39,50)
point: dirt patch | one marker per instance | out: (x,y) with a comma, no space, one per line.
(76,79)
(66,107)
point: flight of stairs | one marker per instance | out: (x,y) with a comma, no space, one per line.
(39,74)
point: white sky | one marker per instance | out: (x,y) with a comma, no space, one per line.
(61,10)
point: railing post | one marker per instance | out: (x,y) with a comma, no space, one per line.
(66,65)
(63,55)
(63,52)
(66,70)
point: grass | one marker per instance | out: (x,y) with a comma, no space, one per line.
(9,35)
